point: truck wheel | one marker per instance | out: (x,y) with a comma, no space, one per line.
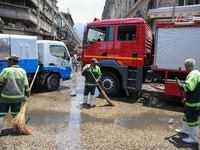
(53,82)
(110,83)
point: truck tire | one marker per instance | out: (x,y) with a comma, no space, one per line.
(53,82)
(110,83)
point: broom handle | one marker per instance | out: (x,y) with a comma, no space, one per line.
(180,92)
(34,78)
(95,80)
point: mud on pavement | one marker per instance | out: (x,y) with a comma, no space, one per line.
(59,122)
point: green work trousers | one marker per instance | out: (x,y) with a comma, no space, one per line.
(4,108)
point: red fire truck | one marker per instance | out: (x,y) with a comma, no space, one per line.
(128,54)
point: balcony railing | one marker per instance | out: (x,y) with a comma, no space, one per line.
(35,2)
(49,3)
(17,12)
(45,26)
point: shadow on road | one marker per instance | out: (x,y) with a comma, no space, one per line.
(35,89)
(7,132)
(177,142)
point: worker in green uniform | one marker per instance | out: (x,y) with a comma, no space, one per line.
(90,82)
(14,88)
(192,102)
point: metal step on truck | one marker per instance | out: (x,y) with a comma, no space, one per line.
(128,52)
(52,57)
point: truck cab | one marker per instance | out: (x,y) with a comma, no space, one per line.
(55,61)
(52,57)
(122,47)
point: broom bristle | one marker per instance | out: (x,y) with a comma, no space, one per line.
(18,123)
(107,99)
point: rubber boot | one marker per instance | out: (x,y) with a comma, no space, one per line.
(193,135)
(85,99)
(184,129)
(91,98)
(1,122)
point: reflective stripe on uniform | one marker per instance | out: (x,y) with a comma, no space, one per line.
(14,113)
(9,96)
(3,113)
(90,84)
(192,104)
(193,124)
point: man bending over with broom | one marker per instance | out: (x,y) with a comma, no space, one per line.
(15,87)
(90,82)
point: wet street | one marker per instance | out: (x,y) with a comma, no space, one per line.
(58,122)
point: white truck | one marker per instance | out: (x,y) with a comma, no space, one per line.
(52,57)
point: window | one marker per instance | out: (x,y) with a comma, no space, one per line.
(58,51)
(130,5)
(126,33)
(110,33)
(181,2)
(96,34)
(138,14)
(188,2)
(151,4)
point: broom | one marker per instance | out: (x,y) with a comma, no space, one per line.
(181,93)
(103,93)
(18,123)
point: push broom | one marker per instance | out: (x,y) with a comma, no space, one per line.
(18,123)
(103,93)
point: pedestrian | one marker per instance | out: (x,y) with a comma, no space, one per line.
(75,62)
(90,82)
(14,88)
(191,101)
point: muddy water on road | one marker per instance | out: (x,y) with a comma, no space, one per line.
(146,120)
(46,117)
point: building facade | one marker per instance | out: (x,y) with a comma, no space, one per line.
(146,9)
(66,32)
(29,17)
(39,18)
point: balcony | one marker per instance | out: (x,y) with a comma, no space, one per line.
(45,26)
(35,2)
(48,14)
(17,12)
(49,3)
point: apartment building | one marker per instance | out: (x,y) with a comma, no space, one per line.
(29,17)
(66,32)
(150,10)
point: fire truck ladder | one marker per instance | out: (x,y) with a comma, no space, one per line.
(132,78)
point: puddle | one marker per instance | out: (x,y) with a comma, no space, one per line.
(87,118)
(148,119)
(46,117)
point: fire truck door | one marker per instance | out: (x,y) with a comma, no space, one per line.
(96,43)
(126,47)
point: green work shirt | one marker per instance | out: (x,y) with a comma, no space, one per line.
(89,79)
(15,84)
(192,89)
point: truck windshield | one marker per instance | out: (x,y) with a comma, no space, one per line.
(59,51)
(96,34)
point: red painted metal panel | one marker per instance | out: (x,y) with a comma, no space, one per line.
(172,89)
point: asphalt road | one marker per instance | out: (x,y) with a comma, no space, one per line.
(59,122)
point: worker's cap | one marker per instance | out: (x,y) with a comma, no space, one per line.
(12,57)
(94,60)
